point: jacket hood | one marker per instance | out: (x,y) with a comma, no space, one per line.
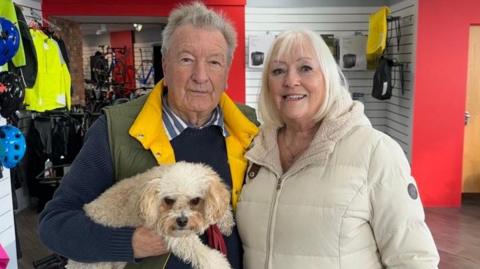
(265,148)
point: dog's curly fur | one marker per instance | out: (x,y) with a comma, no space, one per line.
(177,201)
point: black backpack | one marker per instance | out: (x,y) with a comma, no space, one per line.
(382,80)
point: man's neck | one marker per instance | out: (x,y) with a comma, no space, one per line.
(194,119)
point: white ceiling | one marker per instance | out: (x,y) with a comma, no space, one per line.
(90,24)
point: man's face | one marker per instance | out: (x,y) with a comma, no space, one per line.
(196,70)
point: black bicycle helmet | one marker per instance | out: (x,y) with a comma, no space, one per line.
(12,93)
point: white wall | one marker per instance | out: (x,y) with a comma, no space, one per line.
(7,226)
(391,116)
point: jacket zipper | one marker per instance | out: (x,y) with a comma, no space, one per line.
(271,221)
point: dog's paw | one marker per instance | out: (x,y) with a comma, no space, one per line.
(226,223)
(215,260)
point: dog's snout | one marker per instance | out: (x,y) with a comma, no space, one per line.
(182,221)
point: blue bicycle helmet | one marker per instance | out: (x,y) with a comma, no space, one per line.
(12,146)
(9,40)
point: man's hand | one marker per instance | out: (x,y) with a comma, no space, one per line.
(147,243)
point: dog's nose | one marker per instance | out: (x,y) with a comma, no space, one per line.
(182,221)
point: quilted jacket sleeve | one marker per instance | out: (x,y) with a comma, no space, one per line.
(397,218)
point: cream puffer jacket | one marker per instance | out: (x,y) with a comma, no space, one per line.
(348,202)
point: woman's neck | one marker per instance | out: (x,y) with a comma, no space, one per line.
(293,141)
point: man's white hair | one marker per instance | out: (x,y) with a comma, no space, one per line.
(198,15)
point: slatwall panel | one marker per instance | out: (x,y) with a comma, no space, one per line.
(147,55)
(392,116)
(339,21)
(30,9)
(400,106)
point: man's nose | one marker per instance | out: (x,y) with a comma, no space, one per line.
(200,72)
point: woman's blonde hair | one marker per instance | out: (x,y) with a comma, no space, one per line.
(198,15)
(337,96)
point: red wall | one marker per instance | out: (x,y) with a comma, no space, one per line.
(120,40)
(233,9)
(439,102)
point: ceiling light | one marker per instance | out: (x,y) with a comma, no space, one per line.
(102,29)
(138,27)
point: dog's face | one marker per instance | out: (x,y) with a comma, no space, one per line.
(183,198)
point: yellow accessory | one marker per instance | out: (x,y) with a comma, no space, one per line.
(377,35)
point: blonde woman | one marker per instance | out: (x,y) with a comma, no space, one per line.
(324,189)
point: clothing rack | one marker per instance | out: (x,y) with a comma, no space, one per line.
(38,18)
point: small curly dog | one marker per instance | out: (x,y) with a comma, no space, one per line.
(178,201)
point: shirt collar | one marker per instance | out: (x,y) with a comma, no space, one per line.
(174,125)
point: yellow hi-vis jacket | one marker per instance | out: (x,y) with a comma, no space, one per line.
(52,86)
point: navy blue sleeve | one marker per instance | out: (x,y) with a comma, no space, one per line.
(63,226)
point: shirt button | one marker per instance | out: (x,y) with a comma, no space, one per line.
(140,136)
(158,154)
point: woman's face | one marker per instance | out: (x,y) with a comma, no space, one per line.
(296,84)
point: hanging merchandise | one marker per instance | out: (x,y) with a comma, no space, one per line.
(377,36)
(52,86)
(29,70)
(12,146)
(382,80)
(12,93)
(352,52)
(9,40)
(7,11)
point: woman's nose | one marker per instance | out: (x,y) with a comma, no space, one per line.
(292,79)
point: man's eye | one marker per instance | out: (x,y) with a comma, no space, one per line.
(186,60)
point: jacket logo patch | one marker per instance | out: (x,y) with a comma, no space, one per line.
(412,191)
(253,171)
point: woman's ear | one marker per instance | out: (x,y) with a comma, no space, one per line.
(217,200)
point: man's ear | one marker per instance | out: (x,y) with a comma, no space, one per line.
(164,68)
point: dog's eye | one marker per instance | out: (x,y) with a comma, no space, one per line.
(168,201)
(195,201)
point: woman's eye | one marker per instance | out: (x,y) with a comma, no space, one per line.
(277,71)
(306,68)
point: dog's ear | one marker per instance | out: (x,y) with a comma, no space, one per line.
(217,200)
(148,204)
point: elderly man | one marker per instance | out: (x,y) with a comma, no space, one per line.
(187,116)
